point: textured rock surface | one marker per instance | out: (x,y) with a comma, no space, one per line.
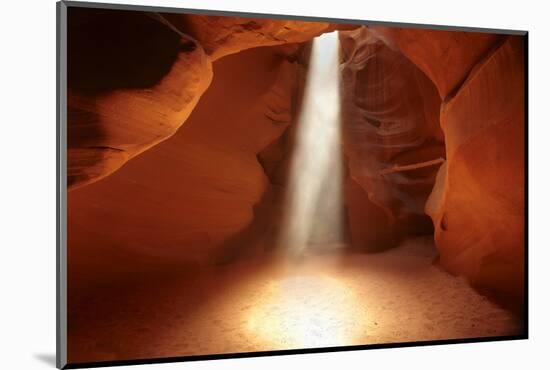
(221,36)
(446,57)
(478,201)
(227,165)
(477,204)
(152,73)
(390,119)
(132,82)
(191,197)
(368,225)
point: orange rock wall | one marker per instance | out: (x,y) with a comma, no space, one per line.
(410,97)
(477,204)
(186,199)
(446,57)
(221,36)
(132,82)
(134,77)
(390,118)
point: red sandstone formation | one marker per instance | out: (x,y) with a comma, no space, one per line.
(153,74)
(390,120)
(150,80)
(189,199)
(217,181)
(446,57)
(477,204)
(222,36)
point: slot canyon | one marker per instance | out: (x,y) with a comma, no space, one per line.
(239,185)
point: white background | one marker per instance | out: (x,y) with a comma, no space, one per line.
(27,182)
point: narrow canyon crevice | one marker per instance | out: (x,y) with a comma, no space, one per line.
(179,159)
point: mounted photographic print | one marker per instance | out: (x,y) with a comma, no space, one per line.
(234,184)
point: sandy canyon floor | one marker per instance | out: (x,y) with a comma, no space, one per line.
(326,299)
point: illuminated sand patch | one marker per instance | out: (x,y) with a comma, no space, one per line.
(290,315)
(328,300)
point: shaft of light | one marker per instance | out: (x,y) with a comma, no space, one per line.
(314,193)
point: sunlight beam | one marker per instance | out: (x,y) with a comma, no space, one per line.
(314,193)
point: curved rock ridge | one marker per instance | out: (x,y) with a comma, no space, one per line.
(446,57)
(153,72)
(392,136)
(221,35)
(193,198)
(478,201)
(130,107)
(129,122)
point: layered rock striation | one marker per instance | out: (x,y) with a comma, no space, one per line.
(478,200)
(392,140)
(154,68)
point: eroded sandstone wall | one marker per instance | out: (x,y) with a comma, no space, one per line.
(416,103)
(192,199)
(132,82)
(222,35)
(392,140)
(134,77)
(477,204)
